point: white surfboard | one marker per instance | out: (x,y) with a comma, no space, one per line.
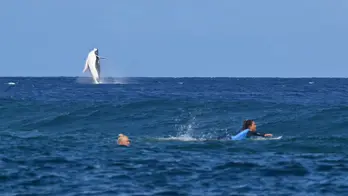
(267,138)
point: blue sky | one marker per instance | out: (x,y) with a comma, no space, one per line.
(181,38)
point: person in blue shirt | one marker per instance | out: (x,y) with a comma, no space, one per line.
(248,130)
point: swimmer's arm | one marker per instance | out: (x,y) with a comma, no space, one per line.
(261,134)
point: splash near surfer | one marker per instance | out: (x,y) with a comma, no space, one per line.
(93,65)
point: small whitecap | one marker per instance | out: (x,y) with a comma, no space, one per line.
(179,138)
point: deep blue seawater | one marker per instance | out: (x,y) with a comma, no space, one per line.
(58,136)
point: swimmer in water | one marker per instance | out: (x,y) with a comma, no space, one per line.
(123,140)
(248,130)
(250,125)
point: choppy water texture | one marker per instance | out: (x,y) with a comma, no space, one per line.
(58,136)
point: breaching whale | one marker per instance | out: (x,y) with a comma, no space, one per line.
(93,64)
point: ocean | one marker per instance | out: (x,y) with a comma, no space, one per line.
(58,136)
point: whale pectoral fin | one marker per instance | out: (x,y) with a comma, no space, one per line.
(100,57)
(86,66)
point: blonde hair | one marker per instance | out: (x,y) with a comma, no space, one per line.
(120,136)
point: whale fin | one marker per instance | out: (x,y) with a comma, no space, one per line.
(100,57)
(86,66)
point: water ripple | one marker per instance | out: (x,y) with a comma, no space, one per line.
(58,137)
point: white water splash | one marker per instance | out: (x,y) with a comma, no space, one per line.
(185,133)
(110,80)
(106,80)
(180,138)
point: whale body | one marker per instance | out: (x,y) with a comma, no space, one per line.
(93,65)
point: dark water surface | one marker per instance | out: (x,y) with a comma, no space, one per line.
(58,136)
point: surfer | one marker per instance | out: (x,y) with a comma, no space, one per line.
(123,140)
(248,130)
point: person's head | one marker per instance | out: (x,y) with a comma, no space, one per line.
(249,124)
(123,140)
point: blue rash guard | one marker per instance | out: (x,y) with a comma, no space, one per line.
(241,135)
(246,134)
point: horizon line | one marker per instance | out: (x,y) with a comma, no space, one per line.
(281,77)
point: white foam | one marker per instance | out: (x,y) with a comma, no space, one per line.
(107,80)
(184,138)
(110,80)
